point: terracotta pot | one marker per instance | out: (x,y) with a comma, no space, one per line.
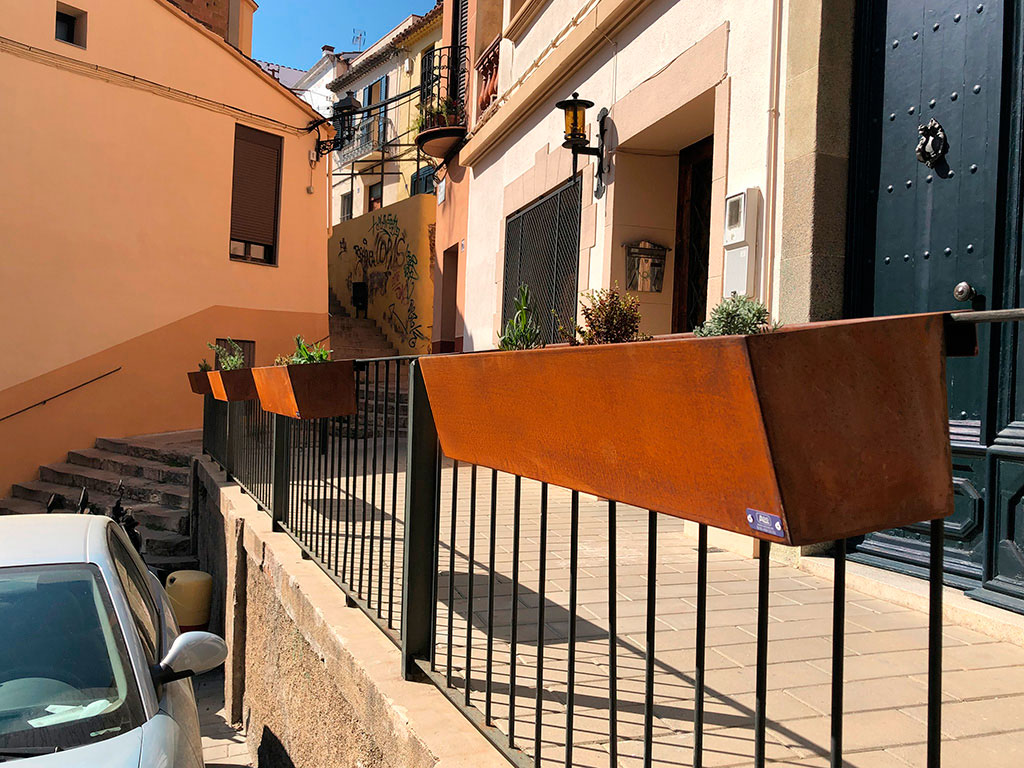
(310,391)
(200,382)
(233,386)
(809,434)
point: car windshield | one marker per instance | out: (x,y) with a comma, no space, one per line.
(65,678)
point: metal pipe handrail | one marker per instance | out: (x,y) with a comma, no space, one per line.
(61,394)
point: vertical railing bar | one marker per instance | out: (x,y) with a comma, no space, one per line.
(301,525)
(489,659)
(325,495)
(517,499)
(355,486)
(761,693)
(542,549)
(838,649)
(348,492)
(652,597)
(321,488)
(373,487)
(936,550)
(435,545)
(332,544)
(700,652)
(394,493)
(574,556)
(383,495)
(366,443)
(613,666)
(451,574)
(472,575)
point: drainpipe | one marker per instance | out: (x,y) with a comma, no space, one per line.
(772,160)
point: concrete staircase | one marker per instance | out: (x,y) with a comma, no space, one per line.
(356,337)
(154,479)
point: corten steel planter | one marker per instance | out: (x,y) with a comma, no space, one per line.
(199,381)
(809,434)
(233,386)
(309,391)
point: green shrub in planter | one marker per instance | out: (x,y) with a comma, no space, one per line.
(738,316)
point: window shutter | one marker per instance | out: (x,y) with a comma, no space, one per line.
(255,186)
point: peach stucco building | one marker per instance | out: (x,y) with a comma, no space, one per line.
(160,191)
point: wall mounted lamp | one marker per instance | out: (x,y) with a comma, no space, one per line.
(576,136)
(342,119)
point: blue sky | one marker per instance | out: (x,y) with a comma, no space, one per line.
(290,32)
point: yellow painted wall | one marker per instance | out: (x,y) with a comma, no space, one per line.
(115,214)
(392,249)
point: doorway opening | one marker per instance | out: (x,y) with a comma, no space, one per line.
(693,237)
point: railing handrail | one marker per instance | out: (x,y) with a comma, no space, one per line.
(44,401)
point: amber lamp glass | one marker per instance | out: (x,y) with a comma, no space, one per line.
(575,120)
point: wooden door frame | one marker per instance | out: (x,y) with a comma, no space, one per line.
(688,157)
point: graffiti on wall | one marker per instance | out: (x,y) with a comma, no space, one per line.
(390,267)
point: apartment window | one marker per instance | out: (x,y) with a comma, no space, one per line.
(375,196)
(422,182)
(70,25)
(255,196)
(346,206)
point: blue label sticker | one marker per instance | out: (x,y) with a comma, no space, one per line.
(765,522)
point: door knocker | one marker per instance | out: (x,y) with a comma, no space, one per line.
(933,145)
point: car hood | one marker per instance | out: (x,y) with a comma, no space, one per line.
(122,751)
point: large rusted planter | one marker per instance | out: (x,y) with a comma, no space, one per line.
(199,381)
(233,386)
(809,434)
(310,391)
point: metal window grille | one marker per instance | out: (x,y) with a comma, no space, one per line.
(542,244)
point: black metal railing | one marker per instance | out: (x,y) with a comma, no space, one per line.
(522,686)
(215,429)
(372,133)
(443,88)
(333,484)
(251,449)
(535,609)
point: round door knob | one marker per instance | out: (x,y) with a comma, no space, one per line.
(964,292)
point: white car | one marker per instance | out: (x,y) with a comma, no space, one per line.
(93,671)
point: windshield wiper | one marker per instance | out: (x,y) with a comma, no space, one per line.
(13,753)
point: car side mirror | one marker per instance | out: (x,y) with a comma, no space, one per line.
(191,653)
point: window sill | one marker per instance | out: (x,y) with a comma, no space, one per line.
(256,262)
(66,42)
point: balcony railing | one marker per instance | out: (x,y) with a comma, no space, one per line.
(374,132)
(443,118)
(548,615)
(487,77)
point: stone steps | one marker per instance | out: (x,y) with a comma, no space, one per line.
(150,472)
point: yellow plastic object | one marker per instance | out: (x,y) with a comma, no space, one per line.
(189,593)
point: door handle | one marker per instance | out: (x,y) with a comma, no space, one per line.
(964,291)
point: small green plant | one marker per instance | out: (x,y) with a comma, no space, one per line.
(230,358)
(204,366)
(305,353)
(609,317)
(522,331)
(738,315)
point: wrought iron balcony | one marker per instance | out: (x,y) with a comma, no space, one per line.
(374,132)
(443,84)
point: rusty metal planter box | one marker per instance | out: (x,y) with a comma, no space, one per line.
(199,381)
(310,391)
(809,434)
(233,386)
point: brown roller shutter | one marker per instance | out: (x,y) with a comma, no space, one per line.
(255,186)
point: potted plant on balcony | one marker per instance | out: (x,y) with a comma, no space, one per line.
(233,382)
(199,380)
(306,384)
(806,434)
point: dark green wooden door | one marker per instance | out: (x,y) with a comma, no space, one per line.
(936,226)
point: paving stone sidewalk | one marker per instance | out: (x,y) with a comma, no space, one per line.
(222,744)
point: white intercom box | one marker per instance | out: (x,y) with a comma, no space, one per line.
(741,217)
